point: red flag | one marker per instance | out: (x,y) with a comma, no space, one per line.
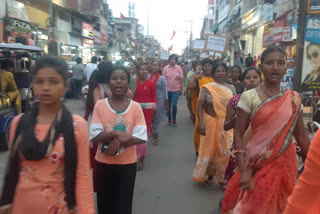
(122,16)
(174,33)
(171,47)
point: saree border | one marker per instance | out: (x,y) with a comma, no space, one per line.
(222,87)
(266,101)
(287,140)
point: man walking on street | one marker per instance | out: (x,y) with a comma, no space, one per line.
(77,78)
(91,67)
(249,61)
(174,76)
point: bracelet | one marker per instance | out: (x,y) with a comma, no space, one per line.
(239,151)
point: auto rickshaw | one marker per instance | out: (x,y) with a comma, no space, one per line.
(22,56)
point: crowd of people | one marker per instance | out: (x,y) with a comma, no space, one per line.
(243,136)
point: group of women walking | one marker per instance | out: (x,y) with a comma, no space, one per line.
(242,141)
(49,147)
(246,131)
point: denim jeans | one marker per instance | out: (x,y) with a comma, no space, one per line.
(173,101)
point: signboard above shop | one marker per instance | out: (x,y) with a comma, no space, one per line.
(313,6)
(20,28)
(310,79)
(262,13)
(87,30)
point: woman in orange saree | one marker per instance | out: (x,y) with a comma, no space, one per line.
(196,81)
(267,164)
(306,194)
(215,142)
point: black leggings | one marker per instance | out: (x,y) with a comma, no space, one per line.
(115,186)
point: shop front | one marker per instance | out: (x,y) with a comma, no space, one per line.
(252,28)
(88,42)
(18,31)
(87,50)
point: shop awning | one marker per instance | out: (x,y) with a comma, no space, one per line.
(256,16)
(36,16)
(19,47)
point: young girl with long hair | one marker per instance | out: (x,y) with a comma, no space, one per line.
(49,167)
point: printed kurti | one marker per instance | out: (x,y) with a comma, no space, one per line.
(40,188)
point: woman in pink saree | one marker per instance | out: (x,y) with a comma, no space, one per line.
(266,156)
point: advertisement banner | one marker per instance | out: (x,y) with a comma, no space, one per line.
(87,42)
(97,37)
(20,28)
(104,38)
(87,30)
(287,80)
(217,43)
(17,10)
(313,6)
(267,36)
(279,24)
(311,61)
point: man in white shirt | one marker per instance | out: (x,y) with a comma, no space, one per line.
(91,67)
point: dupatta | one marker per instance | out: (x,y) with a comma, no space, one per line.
(272,127)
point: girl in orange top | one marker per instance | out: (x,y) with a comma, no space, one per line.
(116,172)
(306,194)
(49,168)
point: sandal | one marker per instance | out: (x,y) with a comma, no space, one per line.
(140,167)
(155,142)
(209,180)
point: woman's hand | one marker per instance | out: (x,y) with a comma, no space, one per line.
(202,129)
(113,147)
(123,137)
(155,107)
(230,119)
(246,181)
(197,72)
(166,105)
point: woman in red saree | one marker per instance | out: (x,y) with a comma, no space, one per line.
(267,164)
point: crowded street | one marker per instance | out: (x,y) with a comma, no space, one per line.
(169,164)
(159,107)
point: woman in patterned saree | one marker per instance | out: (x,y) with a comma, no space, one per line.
(267,164)
(215,142)
(196,81)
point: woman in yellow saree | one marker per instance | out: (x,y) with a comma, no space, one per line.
(267,164)
(196,81)
(215,142)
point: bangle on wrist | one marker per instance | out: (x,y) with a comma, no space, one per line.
(239,151)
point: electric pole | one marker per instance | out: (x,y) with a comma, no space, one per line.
(300,43)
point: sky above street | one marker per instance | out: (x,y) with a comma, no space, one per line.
(166,16)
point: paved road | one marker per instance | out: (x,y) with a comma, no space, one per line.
(165,186)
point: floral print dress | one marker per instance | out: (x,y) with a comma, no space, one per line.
(40,188)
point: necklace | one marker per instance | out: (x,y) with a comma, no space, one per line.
(264,91)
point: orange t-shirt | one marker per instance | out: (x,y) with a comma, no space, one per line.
(306,194)
(103,119)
